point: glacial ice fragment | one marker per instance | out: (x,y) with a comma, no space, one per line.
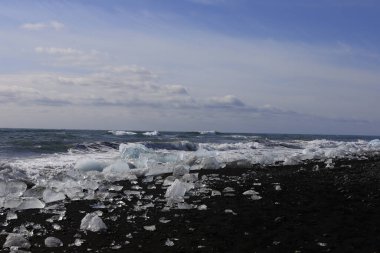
(31,203)
(89,165)
(15,188)
(92,222)
(53,242)
(52,196)
(150,228)
(178,189)
(169,243)
(16,240)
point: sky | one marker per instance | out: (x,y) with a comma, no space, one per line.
(273,66)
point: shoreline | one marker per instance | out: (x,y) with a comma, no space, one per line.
(313,210)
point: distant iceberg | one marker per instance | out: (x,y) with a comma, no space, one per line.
(154,133)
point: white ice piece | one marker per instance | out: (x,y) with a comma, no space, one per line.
(52,196)
(53,242)
(15,189)
(31,203)
(150,228)
(89,165)
(169,243)
(16,240)
(178,189)
(92,222)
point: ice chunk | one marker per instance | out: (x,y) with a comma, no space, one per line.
(15,188)
(230,211)
(215,193)
(119,168)
(178,189)
(90,164)
(52,196)
(31,203)
(35,192)
(74,193)
(277,187)
(202,207)
(11,215)
(250,192)
(228,189)
(53,242)
(169,243)
(3,188)
(16,240)
(180,170)
(12,203)
(375,144)
(78,242)
(150,228)
(169,181)
(132,150)
(209,163)
(92,222)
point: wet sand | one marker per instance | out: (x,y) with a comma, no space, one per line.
(302,209)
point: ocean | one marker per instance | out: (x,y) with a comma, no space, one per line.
(38,155)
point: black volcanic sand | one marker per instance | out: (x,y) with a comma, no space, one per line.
(324,210)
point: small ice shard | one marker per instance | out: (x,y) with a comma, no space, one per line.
(322,244)
(57,226)
(277,187)
(115,188)
(150,228)
(11,215)
(228,189)
(78,242)
(169,243)
(164,220)
(215,193)
(92,222)
(31,203)
(230,211)
(202,207)
(16,240)
(52,196)
(178,189)
(53,242)
(250,192)
(256,197)
(15,189)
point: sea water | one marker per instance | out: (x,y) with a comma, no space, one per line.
(75,164)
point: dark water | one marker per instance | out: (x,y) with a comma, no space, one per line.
(34,142)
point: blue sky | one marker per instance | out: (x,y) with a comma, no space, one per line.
(242,66)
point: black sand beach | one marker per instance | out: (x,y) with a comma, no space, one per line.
(303,209)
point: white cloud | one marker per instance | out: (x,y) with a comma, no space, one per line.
(53,25)
(225,101)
